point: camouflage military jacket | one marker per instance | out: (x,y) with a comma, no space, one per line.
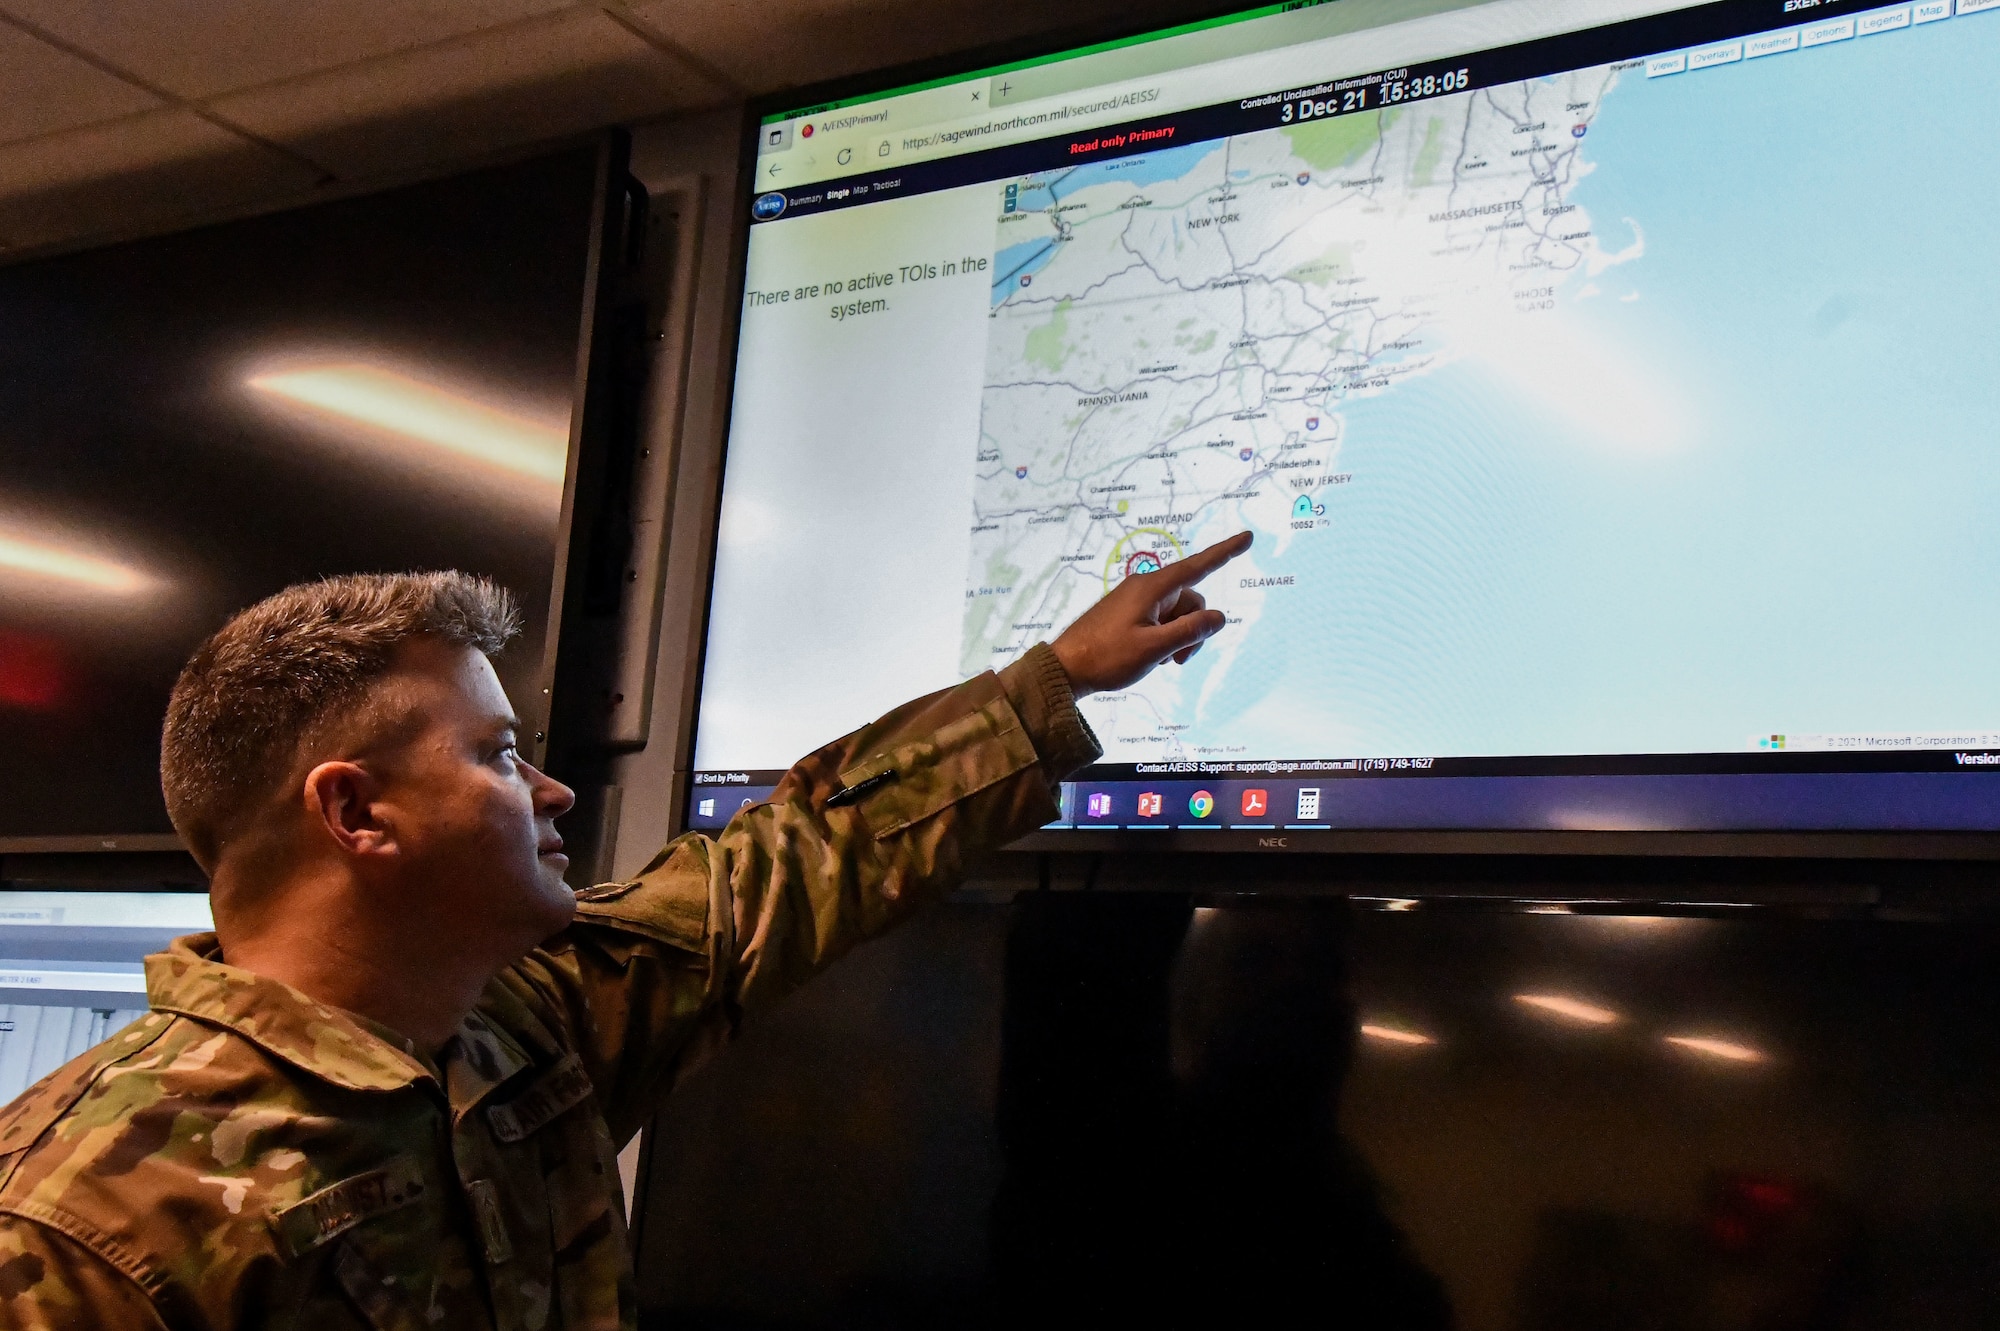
(242,1156)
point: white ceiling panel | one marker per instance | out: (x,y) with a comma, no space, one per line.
(198,48)
(574,71)
(133,174)
(43,90)
(360,88)
(767,46)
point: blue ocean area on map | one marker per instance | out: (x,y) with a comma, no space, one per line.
(1809,547)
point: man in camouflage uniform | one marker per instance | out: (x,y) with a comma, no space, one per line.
(390,1089)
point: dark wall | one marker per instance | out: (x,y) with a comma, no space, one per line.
(1102,1108)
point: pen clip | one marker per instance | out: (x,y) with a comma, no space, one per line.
(849,795)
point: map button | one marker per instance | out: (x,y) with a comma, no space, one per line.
(1933,10)
(1884,20)
(1666,64)
(1708,57)
(1841,30)
(1771,43)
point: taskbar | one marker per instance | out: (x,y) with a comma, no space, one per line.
(1928,790)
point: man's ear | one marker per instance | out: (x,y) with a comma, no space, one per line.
(341,799)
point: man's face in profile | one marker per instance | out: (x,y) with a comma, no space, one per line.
(474,822)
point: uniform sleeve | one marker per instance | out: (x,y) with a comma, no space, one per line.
(51,1283)
(659,969)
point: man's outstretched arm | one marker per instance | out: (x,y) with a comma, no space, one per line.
(856,836)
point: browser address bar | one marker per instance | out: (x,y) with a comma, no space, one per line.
(1410,42)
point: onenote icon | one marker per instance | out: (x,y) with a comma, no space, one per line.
(707,809)
(1099,804)
(768,206)
(1256,803)
(1149,804)
(1201,804)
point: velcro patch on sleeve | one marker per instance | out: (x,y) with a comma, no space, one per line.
(559,1090)
(333,1210)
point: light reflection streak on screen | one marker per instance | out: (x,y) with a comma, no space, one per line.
(1727,1050)
(387,400)
(68,565)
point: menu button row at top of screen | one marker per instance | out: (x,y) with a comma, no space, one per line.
(1813,34)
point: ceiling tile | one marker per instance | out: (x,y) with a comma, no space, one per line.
(198,48)
(766,47)
(132,175)
(572,72)
(48,90)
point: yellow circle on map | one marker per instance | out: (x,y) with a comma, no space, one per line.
(1117,555)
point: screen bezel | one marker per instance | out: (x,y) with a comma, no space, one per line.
(1400,844)
(612,149)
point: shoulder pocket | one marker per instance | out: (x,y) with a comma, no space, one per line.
(36,1110)
(961,758)
(668,903)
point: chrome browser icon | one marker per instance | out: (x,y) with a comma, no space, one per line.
(1201,804)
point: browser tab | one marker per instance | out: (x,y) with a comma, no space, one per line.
(774,138)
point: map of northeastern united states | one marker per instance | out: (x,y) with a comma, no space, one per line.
(1178,339)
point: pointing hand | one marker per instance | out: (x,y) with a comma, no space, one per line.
(1145,621)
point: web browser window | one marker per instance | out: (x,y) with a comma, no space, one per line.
(72,971)
(1610,388)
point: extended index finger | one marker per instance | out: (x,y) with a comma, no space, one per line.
(1187,572)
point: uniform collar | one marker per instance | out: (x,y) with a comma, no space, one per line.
(190,979)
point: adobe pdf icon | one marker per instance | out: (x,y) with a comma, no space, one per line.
(1149,804)
(1256,803)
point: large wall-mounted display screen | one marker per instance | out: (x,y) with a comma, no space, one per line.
(192,422)
(1613,389)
